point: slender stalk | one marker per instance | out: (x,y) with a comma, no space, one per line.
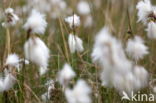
(7,51)
(129,24)
(64,41)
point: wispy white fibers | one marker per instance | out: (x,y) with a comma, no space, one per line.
(116,70)
(144,10)
(11,18)
(75,43)
(36,23)
(83,7)
(58,7)
(108,52)
(136,79)
(47,95)
(79,94)
(136,48)
(73,21)
(65,75)
(151,30)
(7,82)
(141,76)
(37,52)
(54,8)
(147,14)
(12,60)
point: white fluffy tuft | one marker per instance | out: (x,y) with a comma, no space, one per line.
(12,60)
(151,30)
(36,22)
(79,94)
(37,52)
(66,74)
(75,43)
(73,21)
(136,48)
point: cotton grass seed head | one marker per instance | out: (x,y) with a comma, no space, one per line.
(79,94)
(83,7)
(37,52)
(10,18)
(7,82)
(36,23)
(136,48)
(73,21)
(151,30)
(12,60)
(75,43)
(65,75)
(144,10)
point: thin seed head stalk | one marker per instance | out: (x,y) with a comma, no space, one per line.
(7,50)
(64,41)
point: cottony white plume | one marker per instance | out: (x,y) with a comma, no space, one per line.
(47,95)
(7,82)
(117,70)
(136,48)
(151,30)
(11,18)
(75,43)
(73,21)
(108,51)
(144,10)
(66,74)
(79,94)
(83,7)
(142,76)
(36,23)
(37,52)
(12,60)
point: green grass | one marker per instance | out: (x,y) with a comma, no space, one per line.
(114,14)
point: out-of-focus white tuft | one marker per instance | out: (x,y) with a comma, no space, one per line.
(65,75)
(88,21)
(36,23)
(59,7)
(144,10)
(103,36)
(75,43)
(47,95)
(37,52)
(7,82)
(54,8)
(136,48)
(12,60)
(79,94)
(133,81)
(44,97)
(141,76)
(116,70)
(151,30)
(73,21)
(11,18)
(83,7)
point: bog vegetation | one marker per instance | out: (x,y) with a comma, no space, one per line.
(77,51)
